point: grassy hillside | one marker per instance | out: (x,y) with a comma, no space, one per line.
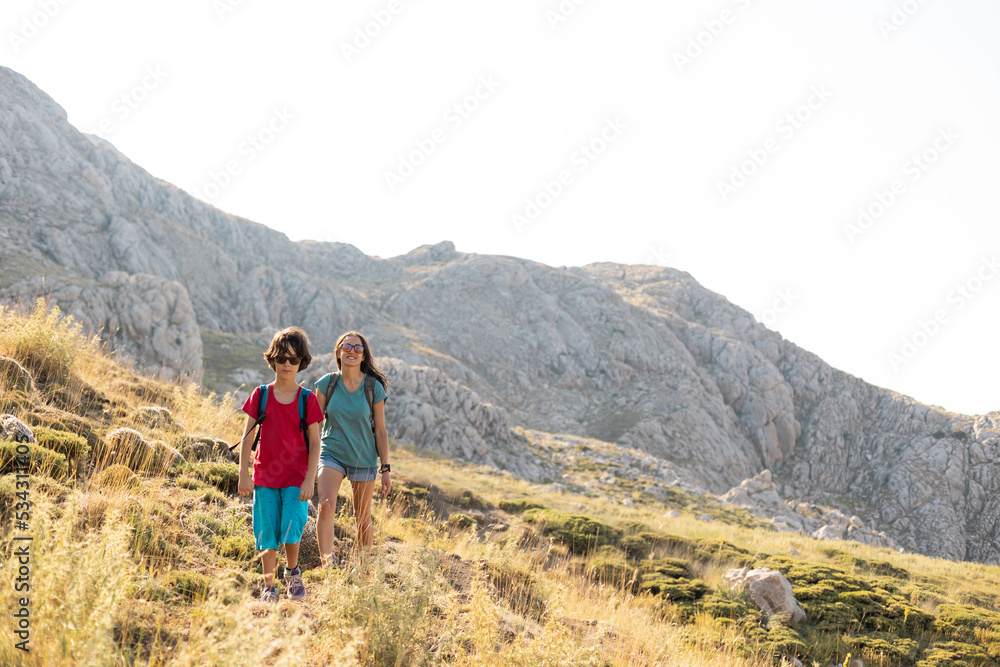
(141,553)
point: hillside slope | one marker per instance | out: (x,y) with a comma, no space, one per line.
(129,480)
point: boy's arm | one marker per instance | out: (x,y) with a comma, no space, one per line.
(309,483)
(246,483)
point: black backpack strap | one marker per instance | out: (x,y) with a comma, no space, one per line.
(303,405)
(330,388)
(370,396)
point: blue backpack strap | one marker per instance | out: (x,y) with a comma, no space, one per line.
(303,405)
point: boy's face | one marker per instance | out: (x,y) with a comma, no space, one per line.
(283,363)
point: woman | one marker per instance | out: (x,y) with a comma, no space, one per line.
(354,440)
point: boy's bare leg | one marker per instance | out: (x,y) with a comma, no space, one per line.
(292,556)
(326,511)
(269,560)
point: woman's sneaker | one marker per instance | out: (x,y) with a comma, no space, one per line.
(269,595)
(293,583)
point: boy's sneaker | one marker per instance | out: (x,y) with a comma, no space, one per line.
(269,595)
(293,582)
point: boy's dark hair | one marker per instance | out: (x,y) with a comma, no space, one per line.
(294,339)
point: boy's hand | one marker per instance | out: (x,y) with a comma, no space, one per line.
(307,489)
(246,484)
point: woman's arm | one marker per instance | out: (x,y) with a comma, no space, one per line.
(382,445)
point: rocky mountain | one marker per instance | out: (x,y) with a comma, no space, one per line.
(643,357)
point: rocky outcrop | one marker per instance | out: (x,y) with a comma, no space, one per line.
(759,494)
(147,320)
(643,357)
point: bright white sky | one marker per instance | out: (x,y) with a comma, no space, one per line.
(331,114)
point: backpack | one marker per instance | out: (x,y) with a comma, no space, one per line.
(369,395)
(262,403)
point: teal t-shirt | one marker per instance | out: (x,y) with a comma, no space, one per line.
(347,433)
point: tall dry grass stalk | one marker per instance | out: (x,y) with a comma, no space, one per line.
(77,582)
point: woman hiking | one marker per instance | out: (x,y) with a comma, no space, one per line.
(354,440)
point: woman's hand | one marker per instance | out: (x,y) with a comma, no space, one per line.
(386,483)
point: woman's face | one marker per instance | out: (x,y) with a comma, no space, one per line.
(351,356)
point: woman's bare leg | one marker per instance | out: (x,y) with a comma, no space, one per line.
(326,512)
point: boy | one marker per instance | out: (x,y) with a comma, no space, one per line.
(284,468)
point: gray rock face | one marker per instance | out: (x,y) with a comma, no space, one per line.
(644,357)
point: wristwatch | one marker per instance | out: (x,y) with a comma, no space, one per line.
(385,468)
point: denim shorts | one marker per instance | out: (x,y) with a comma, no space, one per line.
(352,473)
(278,516)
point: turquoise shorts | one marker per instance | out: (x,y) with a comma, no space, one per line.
(278,516)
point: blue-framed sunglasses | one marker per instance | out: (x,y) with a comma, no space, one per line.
(347,347)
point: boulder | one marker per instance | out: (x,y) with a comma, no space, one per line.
(12,428)
(769,590)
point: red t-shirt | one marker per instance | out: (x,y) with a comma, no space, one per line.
(281,459)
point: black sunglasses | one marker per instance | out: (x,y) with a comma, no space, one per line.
(347,347)
(294,361)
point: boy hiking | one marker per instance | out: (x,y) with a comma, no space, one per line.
(284,463)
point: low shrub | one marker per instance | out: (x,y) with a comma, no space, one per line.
(238,546)
(40,461)
(223,475)
(190,586)
(518,587)
(519,506)
(462,521)
(116,477)
(70,445)
(578,532)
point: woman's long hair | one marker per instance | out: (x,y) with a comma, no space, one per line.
(368,364)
